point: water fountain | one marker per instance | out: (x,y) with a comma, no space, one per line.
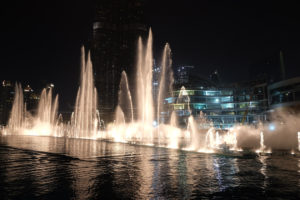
(85,120)
(137,126)
(124,100)
(17,116)
(165,81)
(46,119)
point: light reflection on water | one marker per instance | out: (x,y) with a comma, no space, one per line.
(47,167)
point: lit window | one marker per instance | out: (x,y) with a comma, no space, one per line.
(227,105)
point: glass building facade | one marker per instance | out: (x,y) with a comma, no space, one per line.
(222,107)
(285,94)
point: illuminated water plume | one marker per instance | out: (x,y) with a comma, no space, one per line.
(139,122)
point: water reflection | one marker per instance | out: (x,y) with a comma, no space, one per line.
(182,178)
(47,168)
(263,170)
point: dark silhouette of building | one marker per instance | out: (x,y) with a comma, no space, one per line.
(6,100)
(285,95)
(116,28)
(272,68)
(182,74)
(215,78)
(282,65)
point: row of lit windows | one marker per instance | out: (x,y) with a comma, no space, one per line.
(217,113)
(212,99)
(204,92)
(203,106)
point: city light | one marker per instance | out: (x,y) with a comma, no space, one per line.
(272,127)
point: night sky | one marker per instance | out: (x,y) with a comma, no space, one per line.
(40,40)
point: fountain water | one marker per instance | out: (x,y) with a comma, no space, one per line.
(45,121)
(119,116)
(166,79)
(125,99)
(298,134)
(17,116)
(137,127)
(262,145)
(144,82)
(47,110)
(86,120)
(173,119)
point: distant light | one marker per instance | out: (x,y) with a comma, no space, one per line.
(272,127)
(51,85)
(217,100)
(154,123)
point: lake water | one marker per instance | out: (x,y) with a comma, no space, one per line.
(59,168)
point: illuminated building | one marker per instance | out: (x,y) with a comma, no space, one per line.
(116,28)
(285,94)
(222,107)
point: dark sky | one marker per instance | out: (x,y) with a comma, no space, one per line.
(235,37)
(40,40)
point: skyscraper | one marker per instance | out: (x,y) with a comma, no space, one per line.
(116,28)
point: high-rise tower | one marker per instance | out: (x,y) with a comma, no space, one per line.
(116,28)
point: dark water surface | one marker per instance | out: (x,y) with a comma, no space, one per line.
(58,168)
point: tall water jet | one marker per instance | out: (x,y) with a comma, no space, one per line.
(173,119)
(45,120)
(218,141)
(166,79)
(262,144)
(124,98)
(17,115)
(85,121)
(119,116)
(47,110)
(189,133)
(183,98)
(144,82)
(192,128)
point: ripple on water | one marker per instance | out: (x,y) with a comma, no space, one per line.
(43,168)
